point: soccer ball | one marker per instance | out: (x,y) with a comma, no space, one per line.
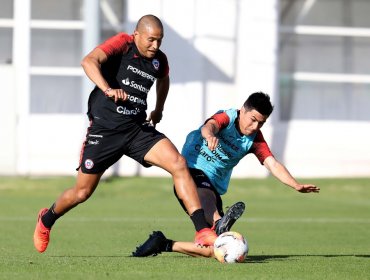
(230,247)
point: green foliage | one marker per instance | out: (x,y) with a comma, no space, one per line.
(291,235)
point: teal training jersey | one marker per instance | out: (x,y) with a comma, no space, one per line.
(232,147)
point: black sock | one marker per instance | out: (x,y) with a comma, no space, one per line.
(217,222)
(199,220)
(167,246)
(49,218)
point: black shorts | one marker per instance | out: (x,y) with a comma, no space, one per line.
(201,181)
(103,147)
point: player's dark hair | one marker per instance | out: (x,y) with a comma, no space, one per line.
(260,102)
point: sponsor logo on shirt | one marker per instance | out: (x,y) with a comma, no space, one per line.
(155,63)
(202,152)
(124,111)
(126,82)
(228,143)
(134,85)
(135,99)
(211,156)
(142,73)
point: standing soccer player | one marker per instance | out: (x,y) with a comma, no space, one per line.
(124,68)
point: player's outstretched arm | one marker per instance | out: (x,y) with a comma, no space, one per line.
(283,175)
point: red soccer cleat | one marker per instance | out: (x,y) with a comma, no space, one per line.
(205,237)
(41,235)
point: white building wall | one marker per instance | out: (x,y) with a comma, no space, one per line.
(8,121)
(219,52)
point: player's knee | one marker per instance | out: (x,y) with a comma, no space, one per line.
(82,195)
(179,164)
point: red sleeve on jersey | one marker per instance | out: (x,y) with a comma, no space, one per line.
(116,44)
(260,148)
(222,120)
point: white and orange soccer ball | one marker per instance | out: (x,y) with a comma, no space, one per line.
(230,247)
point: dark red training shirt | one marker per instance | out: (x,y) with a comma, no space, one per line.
(125,68)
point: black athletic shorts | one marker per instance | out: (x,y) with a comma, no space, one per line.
(103,147)
(201,181)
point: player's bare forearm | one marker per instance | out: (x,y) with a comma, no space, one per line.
(209,131)
(191,249)
(162,88)
(91,65)
(283,175)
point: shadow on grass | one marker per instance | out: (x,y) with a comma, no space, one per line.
(272,258)
(250,259)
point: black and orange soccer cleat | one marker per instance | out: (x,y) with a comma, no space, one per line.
(41,235)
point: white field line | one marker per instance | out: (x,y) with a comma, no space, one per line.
(241,220)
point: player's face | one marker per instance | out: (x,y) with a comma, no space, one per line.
(148,40)
(250,121)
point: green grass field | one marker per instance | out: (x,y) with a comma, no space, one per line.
(290,235)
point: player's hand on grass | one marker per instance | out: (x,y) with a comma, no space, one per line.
(307,188)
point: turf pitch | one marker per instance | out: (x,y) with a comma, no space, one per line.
(290,235)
